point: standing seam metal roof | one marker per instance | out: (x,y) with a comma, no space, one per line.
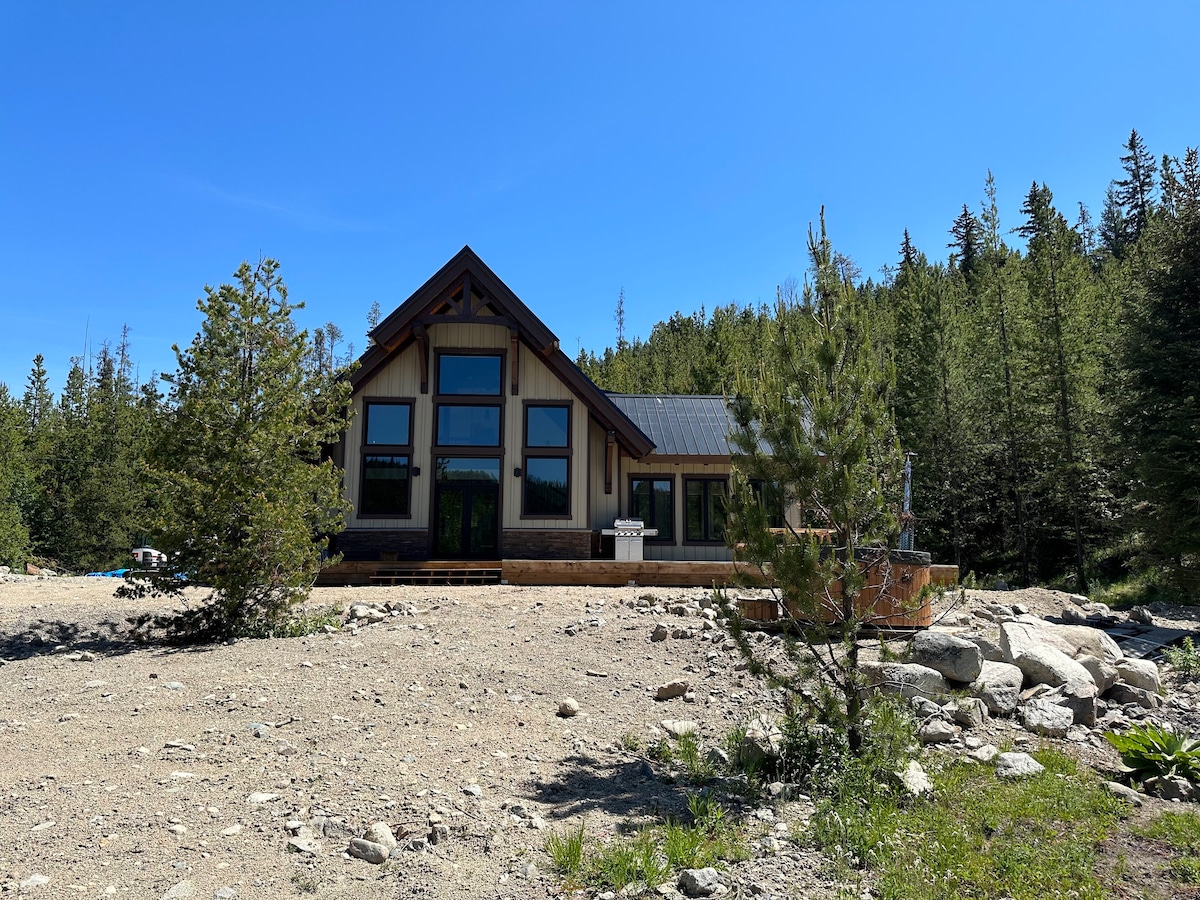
(680,424)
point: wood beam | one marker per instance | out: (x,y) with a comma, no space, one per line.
(422,354)
(515,359)
(610,447)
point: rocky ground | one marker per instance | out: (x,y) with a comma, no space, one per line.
(246,770)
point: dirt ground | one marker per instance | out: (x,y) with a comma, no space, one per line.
(150,772)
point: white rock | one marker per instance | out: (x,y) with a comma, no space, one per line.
(1140,673)
(915,780)
(999,687)
(369,851)
(568,707)
(1047,718)
(380,833)
(1017,765)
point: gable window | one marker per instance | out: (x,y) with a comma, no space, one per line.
(653,501)
(469,375)
(546,461)
(704,510)
(386,485)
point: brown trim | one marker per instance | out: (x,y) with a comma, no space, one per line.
(527,452)
(515,361)
(405,450)
(398,329)
(610,449)
(673,540)
(422,338)
(679,459)
(441,352)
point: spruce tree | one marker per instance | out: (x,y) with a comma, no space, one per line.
(1161,420)
(248,503)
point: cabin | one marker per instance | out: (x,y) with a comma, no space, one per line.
(475,437)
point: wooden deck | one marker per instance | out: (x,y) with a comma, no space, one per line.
(599,572)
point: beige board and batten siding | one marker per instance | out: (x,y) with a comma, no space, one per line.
(402,378)
(677,472)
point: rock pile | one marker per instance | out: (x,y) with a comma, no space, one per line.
(1057,680)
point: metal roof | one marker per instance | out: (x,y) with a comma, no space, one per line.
(680,425)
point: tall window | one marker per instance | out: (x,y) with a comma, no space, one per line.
(704,509)
(547,461)
(468,408)
(386,487)
(653,501)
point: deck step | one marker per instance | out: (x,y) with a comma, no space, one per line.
(425,575)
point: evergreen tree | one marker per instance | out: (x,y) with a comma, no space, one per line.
(14,482)
(1161,419)
(1135,192)
(819,402)
(248,501)
(967,241)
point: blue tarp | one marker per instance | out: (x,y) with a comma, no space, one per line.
(115,573)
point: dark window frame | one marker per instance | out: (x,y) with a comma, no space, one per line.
(762,490)
(707,481)
(564,452)
(440,400)
(401,450)
(670,540)
(444,352)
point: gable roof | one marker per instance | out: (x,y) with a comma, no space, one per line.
(681,425)
(466,290)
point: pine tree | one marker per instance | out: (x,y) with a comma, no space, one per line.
(819,401)
(967,241)
(248,501)
(14,482)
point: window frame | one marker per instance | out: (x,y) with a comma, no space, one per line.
(367,450)
(565,452)
(440,400)
(670,540)
(707,481)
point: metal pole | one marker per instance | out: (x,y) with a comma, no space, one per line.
(906,516)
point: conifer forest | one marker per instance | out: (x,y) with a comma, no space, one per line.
(1046,375)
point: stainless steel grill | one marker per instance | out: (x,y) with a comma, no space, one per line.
(628,536)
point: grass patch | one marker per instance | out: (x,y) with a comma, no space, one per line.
(1030,839)
(651,855)
(1185,658)
(1180,832)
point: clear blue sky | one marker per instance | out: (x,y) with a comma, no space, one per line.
(678,150)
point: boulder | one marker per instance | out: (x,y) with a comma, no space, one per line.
(936,731)
(1017,765)
(761,742)
(998,686)
(1125,694)
(369,851)
(954,657)
(915,781)
(380,833)
(969,712)
(1045,717)
(1140,673)
(1073,640)
(699,882)
(671,689)
(1080,698)
(1103,671)
(911,680)
(1043,664)
(989,648)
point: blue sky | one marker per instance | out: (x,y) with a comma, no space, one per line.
(677,150)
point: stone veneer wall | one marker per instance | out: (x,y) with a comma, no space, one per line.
(367,544)
(550,544)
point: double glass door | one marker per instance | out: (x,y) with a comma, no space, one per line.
(467,508)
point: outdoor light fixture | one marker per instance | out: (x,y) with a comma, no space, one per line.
(517,472)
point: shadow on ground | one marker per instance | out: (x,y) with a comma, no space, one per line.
(25,640)
(625,788)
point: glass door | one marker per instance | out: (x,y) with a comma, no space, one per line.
(467,508)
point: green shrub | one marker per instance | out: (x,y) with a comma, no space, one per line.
(1148,750)
(1185,658)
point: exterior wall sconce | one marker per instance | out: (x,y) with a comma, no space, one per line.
(517,472)
(416,470)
